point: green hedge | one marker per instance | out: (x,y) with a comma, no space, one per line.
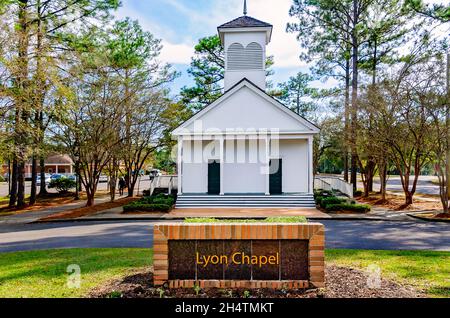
(330,200)
(361,208)
(158,203)
(62,185)
(281,219)
(142,207)
(320,195)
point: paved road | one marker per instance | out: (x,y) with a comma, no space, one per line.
(340,234)
(424,185)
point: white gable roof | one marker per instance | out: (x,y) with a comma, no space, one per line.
(245,107)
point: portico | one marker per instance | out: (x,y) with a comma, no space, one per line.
(247,162)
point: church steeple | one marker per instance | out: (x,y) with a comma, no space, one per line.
(244,40)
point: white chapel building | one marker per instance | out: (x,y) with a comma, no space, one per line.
(246,149)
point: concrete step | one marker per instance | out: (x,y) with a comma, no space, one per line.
(245,201)
(247,196)
(239,206)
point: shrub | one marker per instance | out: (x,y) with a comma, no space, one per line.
(319,200)
(287,219)
(281,219)
(62,185)
(2,179)
(158,203)
(358,193)
(143,207)
(323,193)
(360,208)
(330,200)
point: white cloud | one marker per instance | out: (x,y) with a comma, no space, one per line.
(284,46)
(176,53)
(173,53)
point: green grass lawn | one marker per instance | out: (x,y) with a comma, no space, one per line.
(429,271)
(4,200)
(44,273)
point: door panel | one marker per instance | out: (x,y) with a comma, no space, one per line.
(275,178)
(214,177)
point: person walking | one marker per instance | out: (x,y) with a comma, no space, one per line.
(122,186)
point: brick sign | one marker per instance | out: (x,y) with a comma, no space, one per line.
(239,255)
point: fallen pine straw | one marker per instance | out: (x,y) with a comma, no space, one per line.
(85,211)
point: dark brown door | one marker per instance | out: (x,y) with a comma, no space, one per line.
(275,179)
(214,177)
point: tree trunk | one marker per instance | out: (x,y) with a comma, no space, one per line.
(22,100)
(408,198)
(90,198)
(13,192)
(9,177)
(21,184)
(371,163)
(383,180)
(43,188)
(354,110)
(447,126)
(33,180)
(131,189)
(112,188)
(347,117)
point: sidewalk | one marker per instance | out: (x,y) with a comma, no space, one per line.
(33,216)
(180,214)
(115,214)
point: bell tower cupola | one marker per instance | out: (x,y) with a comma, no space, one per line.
(244,41)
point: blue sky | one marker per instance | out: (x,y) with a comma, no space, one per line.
(181,23)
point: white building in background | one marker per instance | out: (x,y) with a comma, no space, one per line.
(246,149)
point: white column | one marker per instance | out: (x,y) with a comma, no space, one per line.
(222,163)
(311,164)
(57,170)
(267,142)
(180,164)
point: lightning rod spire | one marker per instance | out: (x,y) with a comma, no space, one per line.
(245,7)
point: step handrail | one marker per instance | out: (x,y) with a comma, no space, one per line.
(333,183)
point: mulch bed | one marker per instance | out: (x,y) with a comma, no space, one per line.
(442,217)
(85,211)
(397,203)
(49,200)
(341,282)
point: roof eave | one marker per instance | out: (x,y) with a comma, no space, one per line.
(268,30)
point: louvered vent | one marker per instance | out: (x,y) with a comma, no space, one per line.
(240,58)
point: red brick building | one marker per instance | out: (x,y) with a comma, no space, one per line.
(55,163)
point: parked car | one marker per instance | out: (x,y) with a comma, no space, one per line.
(155,173)
(103,179)
(56,176)
(73,177)
(47,179)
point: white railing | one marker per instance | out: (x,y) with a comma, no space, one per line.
(333,183)
(168,182)
(320,184)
